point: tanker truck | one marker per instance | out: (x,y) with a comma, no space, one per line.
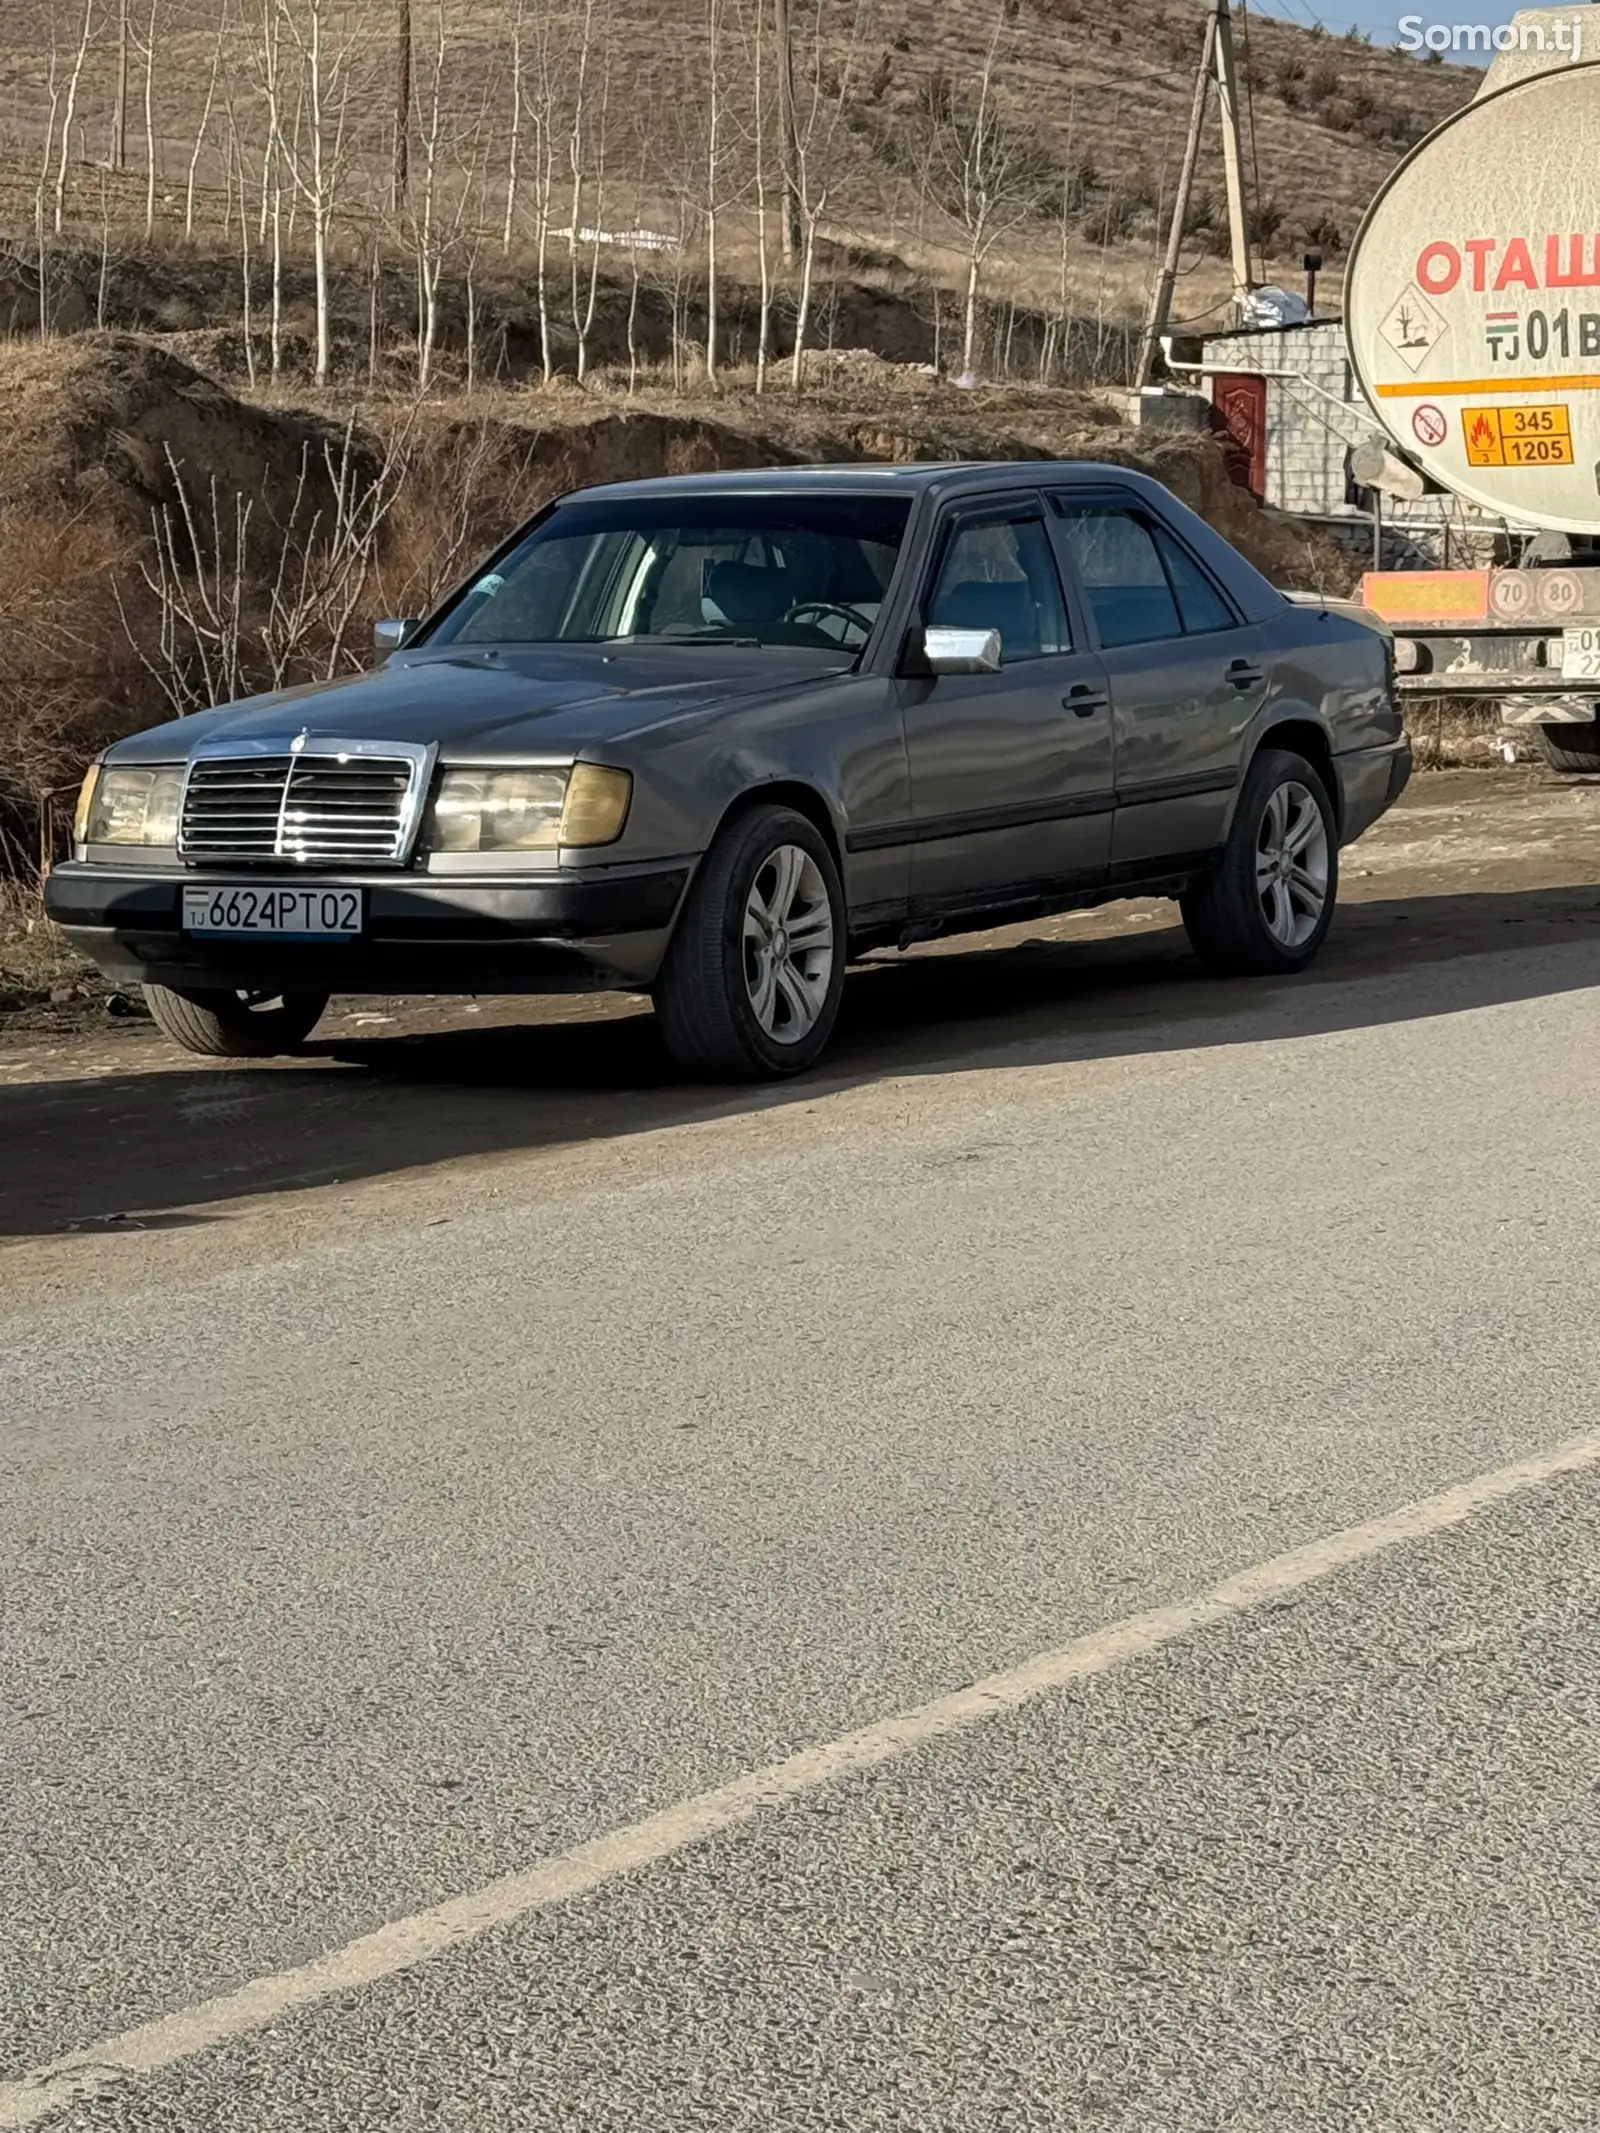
(1472,315)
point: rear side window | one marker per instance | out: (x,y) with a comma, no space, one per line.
(1141,582)
(1123,576)
(1199,602)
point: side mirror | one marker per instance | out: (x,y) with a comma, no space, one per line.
(952,651)
(394,636)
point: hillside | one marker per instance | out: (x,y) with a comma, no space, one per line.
(259,391)
(668,115)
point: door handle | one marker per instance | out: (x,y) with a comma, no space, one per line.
(1084,700)
(1244,673)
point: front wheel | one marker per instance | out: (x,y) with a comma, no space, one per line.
(1265,906)
(751,984)
(234,1025)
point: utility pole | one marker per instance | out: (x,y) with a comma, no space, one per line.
(788,137)
(1232,161)
(1216,59)
(402,107)
(1161,301)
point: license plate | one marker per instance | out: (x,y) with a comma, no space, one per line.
(324,914)
(1580,653)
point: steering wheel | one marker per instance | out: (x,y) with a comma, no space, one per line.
(810,614)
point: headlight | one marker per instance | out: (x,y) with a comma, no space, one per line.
(498,811)
(130,806)
(528,810)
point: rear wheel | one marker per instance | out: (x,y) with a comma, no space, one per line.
(1266,905)
(751,984)
(235,1025)
(1575,748)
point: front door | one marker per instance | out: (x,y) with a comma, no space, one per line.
(1187,675)
(1010,772)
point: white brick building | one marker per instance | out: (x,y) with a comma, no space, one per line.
(1315,415)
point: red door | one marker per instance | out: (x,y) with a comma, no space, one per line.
(1239,416)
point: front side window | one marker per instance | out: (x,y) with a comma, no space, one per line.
(808,571)
(999,574)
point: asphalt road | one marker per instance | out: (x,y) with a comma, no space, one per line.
(364,1543)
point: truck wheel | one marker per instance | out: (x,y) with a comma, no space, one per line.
(1571,747)
(751,984)
(234,1025)
(1266,904)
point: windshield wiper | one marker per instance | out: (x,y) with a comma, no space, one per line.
(688,637)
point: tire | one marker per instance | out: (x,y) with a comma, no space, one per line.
(737,998)
(234,1025)
(1245,922)
(1573,748)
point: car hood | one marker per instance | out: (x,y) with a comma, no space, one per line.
(554,700)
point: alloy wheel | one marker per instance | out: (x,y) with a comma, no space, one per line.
(788,944)
(1292,864)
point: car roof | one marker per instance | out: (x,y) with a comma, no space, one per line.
(853,476)
(942,479)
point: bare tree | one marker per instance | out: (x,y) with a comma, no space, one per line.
(401,175)
(149,50)
(312,149)
(985,170)
(819,124)
(759,132)
(429,237)
(544,65)
(246,319)
(40,189)
(586,153)
(204,121)
(269,65)
(788,131)
(713,173)
(450,145)
(69,108)
(514,131)
(119,107)
(245,600)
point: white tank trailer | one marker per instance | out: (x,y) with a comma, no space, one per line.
(1472,311)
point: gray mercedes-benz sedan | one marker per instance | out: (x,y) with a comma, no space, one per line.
(711,737)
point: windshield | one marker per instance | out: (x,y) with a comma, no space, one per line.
(701,569)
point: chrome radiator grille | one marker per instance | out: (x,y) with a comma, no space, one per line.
(309,809)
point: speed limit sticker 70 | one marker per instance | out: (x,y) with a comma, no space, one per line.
(1428,423)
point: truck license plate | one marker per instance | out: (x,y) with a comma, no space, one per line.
(228,907)
(1580,653)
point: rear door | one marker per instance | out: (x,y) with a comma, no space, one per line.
(1187,674)
(1011,772)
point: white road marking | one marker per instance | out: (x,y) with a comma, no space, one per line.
(425,1934)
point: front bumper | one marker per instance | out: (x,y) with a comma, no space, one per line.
(563,931)
(1370,782)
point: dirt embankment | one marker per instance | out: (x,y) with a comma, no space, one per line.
(287,531)
(192,296)
(104,434)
